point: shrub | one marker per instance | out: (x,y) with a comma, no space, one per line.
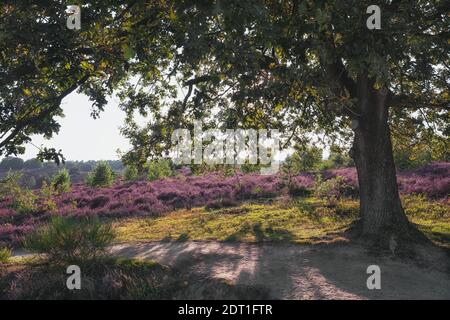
(159,169)
(22,199)
(98,202)
(333,189)
(250,168)
(131,173)
(305,158)
(102,176)
(69,240)
(5,255)
(61,181)
(47,204)
(289,177)
(298,191)
(221,203)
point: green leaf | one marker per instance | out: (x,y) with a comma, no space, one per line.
(172,15)
(86,66)
(128,52)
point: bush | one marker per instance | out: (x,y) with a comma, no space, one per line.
(5,255)
(71,241)
(47,203)
(159,169)
(102,176)
(22,199)
(287,179)
(333,189)
(305,158)
(131,173)
(98,202)
(221,203)
(61,181)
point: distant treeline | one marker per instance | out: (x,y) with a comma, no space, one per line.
(15,163)
(304,159)
(35,172)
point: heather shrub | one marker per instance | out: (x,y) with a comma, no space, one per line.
(101,176)
(288,179)
(432,180)
(66,240)
(5,255)
(61,181)
(98,202)
(261,192)
(22,199)
(221,203)
(228,170)
(159,169)
(332,189)
(131,173)
(298,191)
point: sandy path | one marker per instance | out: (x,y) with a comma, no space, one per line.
(299,271)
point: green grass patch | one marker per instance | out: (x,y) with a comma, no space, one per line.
(300,220)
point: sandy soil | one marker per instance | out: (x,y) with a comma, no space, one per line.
(289,271)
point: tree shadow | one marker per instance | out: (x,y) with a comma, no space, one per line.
(260,234)
(281,270)
(183,237)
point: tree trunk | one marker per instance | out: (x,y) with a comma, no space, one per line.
(382,218)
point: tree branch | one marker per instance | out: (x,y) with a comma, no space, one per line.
(54,104)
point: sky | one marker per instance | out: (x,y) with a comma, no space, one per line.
(80,136)
(83,138)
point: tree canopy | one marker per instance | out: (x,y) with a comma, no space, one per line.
(288,64)
(294,65)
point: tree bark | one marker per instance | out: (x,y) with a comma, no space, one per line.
(382,218)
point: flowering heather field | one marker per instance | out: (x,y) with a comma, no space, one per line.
(432,180)
(143,198)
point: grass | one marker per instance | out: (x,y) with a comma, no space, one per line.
(111,279)
(5,255)
(298,221)
(116,278)
(302,220)
(432,218)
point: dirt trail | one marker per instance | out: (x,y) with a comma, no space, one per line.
(291,271)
